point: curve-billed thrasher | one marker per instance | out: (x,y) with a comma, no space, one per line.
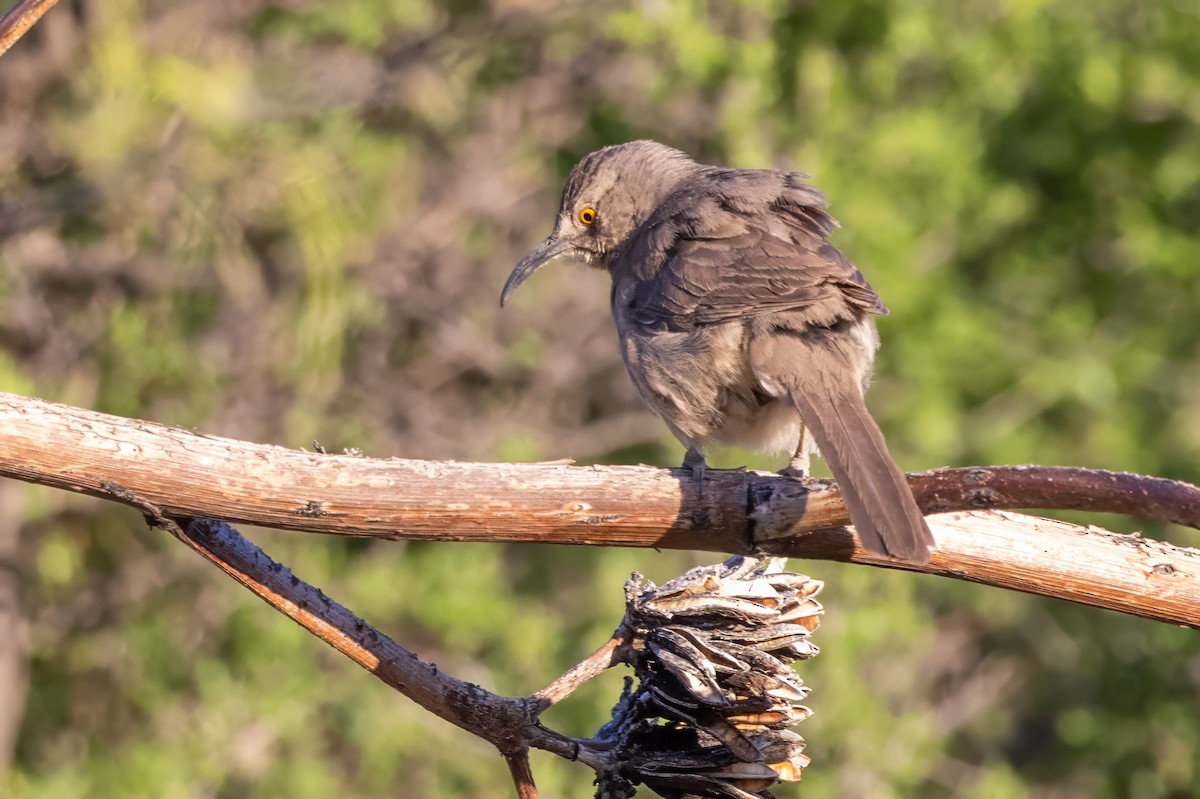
(739,323)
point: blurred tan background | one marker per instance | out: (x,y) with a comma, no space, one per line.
(290,221)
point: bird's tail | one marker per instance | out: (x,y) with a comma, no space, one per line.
(820,377)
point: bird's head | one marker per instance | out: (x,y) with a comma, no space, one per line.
(608,195)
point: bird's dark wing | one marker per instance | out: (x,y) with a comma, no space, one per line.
(737,244)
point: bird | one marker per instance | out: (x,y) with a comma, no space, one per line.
(739,322)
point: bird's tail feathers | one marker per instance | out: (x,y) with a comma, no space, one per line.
(827,392)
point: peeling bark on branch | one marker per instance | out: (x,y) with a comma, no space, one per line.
(433,689)
(17,22)
(509,723)
(188,475)
(1129,573)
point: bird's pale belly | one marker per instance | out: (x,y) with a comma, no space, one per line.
(701,384)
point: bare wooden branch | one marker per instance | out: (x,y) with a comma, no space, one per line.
(1012,487)
(613,652)
(1089,565)
(508,723)
(522,774)
(20,19)
(696,628)
(188,475)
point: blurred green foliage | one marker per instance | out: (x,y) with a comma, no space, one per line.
(290,221)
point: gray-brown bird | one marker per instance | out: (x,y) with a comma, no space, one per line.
(740,324)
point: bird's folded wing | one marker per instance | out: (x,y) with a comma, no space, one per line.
(739,245)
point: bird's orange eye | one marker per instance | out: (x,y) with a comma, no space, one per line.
(587,215)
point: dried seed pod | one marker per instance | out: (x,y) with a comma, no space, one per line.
(699,686)
(806,609)
(779,718)
(797,650)
(802,585)
(673,704)
(721,660)
(759,683)
(756,636)
(727,733)
(671,639)
(683,786)
(764,663)
(692,606)
(715,697)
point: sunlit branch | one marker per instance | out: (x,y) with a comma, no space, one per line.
(189,475)
(17,22)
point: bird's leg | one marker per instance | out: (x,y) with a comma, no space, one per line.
(798,467)
(694,459)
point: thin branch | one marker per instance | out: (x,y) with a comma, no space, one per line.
(522,774)
(20,19)
(274,583)
(188,475)
(508,723)
(511,724)
(1061,488)
(614,651)
(1089,565)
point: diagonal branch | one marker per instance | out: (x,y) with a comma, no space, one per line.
(20,19)
(614,651)
(189,475)
(508,723)
(522,774)
(724,731)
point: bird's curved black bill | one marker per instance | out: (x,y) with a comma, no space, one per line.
(535,259)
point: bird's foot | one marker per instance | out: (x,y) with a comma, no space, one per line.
(798,466)
(694,459)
